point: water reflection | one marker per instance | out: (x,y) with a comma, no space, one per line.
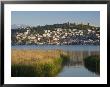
(75,65)
(76,57)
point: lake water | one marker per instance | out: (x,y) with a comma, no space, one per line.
(75,66)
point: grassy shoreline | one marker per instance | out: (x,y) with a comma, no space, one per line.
(92,63)
(30,63)
(45,63)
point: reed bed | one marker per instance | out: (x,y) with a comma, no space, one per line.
(40,63)
(92,63)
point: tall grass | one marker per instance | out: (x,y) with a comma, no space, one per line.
(93,63)
(30,63)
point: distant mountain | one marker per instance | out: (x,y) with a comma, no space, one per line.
(15,26)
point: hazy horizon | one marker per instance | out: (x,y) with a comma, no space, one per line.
(35,18)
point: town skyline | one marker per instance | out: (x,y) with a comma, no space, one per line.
(16,26)
(57,34)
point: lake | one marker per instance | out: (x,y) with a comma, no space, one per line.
(75,66)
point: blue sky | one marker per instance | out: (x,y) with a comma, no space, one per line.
(52,17)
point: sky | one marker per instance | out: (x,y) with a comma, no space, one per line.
(35,18)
